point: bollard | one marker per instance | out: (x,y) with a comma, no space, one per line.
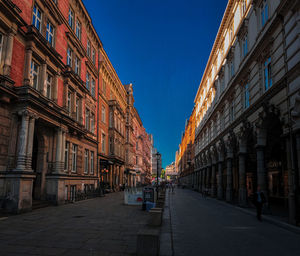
(148,242)
(155,217)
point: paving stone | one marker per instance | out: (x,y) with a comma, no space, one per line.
(101,226)
(208,227)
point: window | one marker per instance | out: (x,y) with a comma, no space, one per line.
(222,85)
(1,45)
(77,109)
(87,81)
(103,114)
(37,17)
(264,12)
(110,119)
(93,87)
(246,96)
(231,32)
(74,157)
(77,65)
(48,86)
(87,119)
(66,164)
(94,56)
(69,57)
(92,162)
(245,45)
(71,18)
(267,73)
(69,102)
(92,123)
(243,7)
(103,143)
(34,72)
(78,29)
(231,111)
(88,48)
(231,67)
(50,33)
(86,161)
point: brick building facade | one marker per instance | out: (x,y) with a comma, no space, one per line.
(55,123)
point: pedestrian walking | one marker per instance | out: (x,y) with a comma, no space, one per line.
(258,200)
(172,187)
(204,193)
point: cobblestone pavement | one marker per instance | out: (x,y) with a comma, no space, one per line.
(208,227)
(101,226)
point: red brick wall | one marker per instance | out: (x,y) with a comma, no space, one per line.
(17,65)
(26,7)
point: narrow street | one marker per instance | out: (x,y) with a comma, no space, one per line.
(100,226)
(205,226)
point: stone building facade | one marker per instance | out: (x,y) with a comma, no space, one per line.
(247,107)
(53,117)
(185,157)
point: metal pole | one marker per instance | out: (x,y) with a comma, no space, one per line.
(157,176)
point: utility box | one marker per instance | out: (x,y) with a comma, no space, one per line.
(148,194)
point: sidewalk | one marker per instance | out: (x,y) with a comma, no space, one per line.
(100,226)
(193,225)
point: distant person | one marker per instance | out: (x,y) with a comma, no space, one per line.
(258,200)
(172,187)
(204,193)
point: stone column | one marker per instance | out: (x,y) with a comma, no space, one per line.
(43,81)
(9,52)
(55,88)
(208,178)
(22,143)
(63,150)
(229,180)
(298,157)
(58,165)
(220,180)
(213,181)
(28,58)
(203,178)
(261,170)
(291,183)
(242,179)
(30,142)
(198,179)
(111,175)
(260,155)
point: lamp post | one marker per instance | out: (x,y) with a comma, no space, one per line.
(157,161)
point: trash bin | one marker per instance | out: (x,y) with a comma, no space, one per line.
(149,205)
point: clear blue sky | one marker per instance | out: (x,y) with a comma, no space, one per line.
(161,46)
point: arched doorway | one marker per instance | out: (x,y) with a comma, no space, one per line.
(39,164)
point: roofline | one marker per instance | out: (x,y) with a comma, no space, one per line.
(216,42)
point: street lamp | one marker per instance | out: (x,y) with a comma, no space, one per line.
(157,158)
